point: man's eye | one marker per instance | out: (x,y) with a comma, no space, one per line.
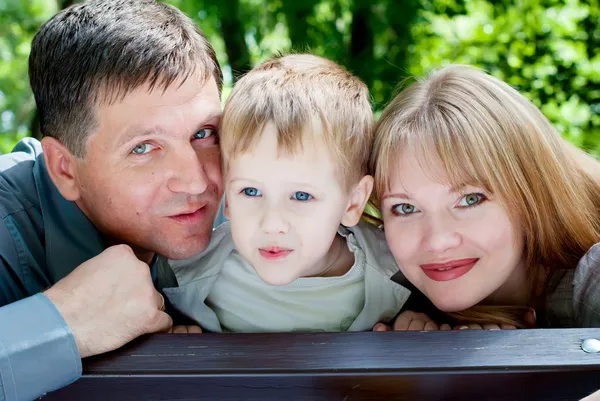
(251,192)
(404,209)
(204,133)
(302,196)
(142,149)
(473,199)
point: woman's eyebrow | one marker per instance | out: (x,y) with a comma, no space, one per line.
(401,195)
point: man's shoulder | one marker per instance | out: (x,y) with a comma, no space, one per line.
(17,183)
(25,151)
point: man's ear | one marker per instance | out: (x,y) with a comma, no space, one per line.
(61,165)
(358,200)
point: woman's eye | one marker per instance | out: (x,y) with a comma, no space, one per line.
(204,133)
(471,200)
(404,209)
(251,192)
(302,196)
(142,149)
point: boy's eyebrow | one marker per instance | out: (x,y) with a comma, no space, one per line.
(234,179)
(300,184)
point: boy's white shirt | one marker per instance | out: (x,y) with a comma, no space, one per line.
(374,262)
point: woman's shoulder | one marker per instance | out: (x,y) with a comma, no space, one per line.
(586,289)
(573,295)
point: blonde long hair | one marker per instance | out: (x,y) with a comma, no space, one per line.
(484,131)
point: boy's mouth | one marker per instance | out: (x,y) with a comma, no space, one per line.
(274,252)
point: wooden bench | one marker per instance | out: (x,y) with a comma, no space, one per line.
(456,365)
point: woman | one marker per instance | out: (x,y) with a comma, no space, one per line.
(487,209)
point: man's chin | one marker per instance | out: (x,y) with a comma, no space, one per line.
(179,250)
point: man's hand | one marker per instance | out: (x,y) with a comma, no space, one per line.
(108,301)
(412,321)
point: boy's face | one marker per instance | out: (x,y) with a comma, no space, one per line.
(285,209)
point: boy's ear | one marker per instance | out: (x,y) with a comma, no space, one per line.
(61,166)
(358,200)
(226,209)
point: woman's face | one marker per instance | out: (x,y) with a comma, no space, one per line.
(456,245)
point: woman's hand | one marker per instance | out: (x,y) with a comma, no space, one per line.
(412,321)
(489,326)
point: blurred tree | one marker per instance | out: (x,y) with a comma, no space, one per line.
(19,20)
(548,49)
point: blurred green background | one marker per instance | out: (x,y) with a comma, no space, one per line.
(547,49)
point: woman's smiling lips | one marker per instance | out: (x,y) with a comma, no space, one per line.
(274,252)
(449,270)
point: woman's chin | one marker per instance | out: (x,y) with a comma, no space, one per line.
(451,305)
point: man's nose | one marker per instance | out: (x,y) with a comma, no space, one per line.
(187,175)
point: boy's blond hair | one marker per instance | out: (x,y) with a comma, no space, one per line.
(305,97)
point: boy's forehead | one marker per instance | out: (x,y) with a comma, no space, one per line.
(308,163)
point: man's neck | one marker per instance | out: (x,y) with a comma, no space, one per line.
(142,254)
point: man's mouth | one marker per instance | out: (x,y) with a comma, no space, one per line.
(190,216)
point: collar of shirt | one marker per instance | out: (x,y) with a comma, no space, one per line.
(70,237)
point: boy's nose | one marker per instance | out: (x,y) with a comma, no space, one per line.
(273,222)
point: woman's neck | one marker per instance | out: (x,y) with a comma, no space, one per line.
(515,291)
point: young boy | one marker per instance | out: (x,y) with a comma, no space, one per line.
(295,141)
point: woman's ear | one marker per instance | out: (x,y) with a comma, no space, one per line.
(358,200)
(61,166)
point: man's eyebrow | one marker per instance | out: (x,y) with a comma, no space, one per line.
(212,116)
(136,132)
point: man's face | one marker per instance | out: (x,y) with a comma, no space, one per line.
(151,175)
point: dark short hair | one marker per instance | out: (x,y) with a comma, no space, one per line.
(100,50)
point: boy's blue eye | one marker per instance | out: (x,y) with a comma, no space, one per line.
(252,192)
(302,196)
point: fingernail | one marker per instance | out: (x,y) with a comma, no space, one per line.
(463,328)
(533,313)
(495,328)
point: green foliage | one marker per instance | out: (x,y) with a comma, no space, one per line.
(545,48)
(19,20)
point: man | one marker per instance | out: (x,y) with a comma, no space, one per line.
(129,99)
